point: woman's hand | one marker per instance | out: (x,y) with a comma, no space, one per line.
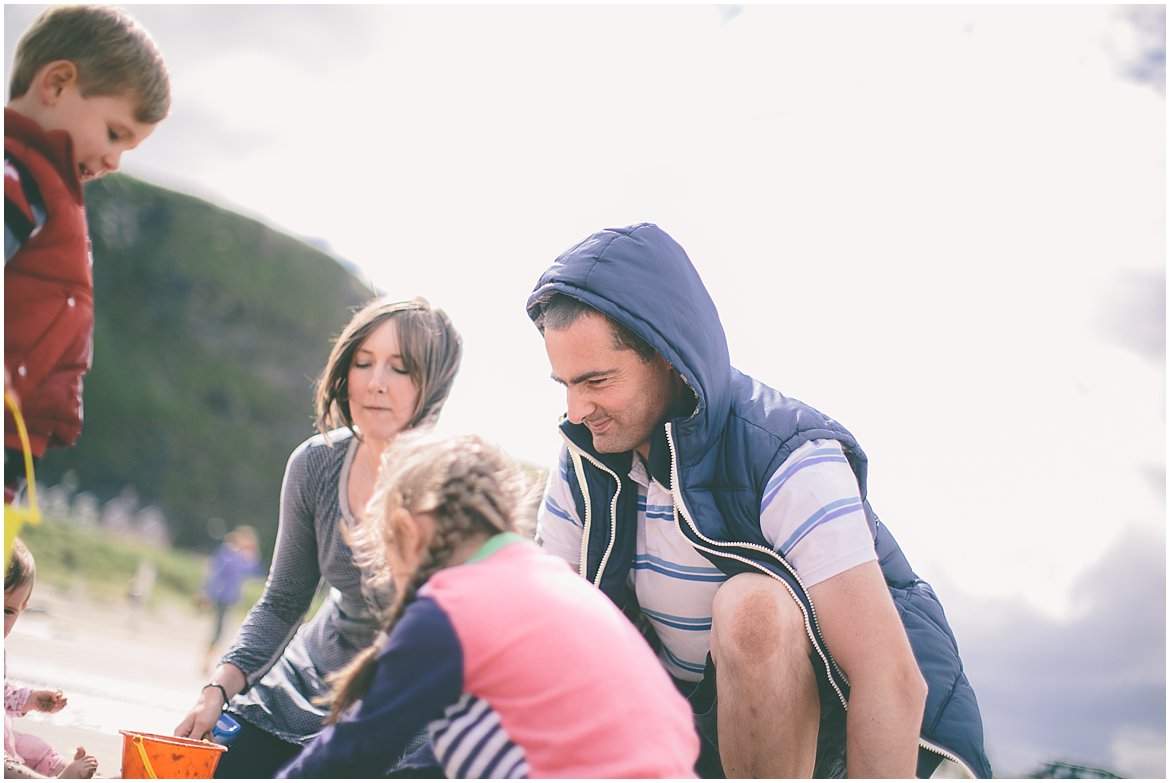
(202,717)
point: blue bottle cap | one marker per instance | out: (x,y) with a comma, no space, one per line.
(225,728)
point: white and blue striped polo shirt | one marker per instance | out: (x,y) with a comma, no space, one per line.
(811,513)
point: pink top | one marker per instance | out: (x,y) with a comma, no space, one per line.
(572,680)
(516,667)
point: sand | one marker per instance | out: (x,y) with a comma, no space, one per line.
(120,667)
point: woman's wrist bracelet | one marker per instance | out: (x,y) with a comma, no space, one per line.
(222,691)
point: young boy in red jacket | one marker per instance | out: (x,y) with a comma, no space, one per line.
(88,84)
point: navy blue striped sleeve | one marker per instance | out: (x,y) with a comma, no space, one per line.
(420,673)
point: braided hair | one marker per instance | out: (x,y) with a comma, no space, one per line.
(466,486)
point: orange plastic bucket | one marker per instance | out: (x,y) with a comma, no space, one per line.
(157,756)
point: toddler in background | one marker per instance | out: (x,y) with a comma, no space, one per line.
(235,562)
(26,756)
(512,664)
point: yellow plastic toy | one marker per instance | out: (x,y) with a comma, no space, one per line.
(16,517)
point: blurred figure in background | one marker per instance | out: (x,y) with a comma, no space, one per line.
(140,591)
(235,562)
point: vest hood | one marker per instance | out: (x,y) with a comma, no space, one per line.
(641,278)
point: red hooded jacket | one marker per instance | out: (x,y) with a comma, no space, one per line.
(48,287)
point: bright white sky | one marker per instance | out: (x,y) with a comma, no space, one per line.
(922,220)
(943,226)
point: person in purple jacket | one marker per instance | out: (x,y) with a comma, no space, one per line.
(235,562)
(507,662)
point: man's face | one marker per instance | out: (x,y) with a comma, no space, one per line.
(612,391)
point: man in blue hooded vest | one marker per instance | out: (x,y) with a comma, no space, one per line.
(731,522)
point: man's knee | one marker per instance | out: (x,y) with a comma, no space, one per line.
(755,619)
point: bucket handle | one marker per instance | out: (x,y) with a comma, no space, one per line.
(137,739)
(15,518)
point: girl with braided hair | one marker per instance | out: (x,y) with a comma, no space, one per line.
(512,664)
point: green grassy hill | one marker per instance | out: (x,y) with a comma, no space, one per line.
(210,328)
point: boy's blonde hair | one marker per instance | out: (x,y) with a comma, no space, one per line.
(114,56)
(466,486)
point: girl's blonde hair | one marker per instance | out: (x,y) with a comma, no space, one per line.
(466,486)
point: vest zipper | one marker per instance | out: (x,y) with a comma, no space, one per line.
(946,754)
(577,455)
(810,620)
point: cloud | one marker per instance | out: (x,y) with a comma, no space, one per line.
(728,12)
(1133,312)
(1137,42)
(1087,689)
